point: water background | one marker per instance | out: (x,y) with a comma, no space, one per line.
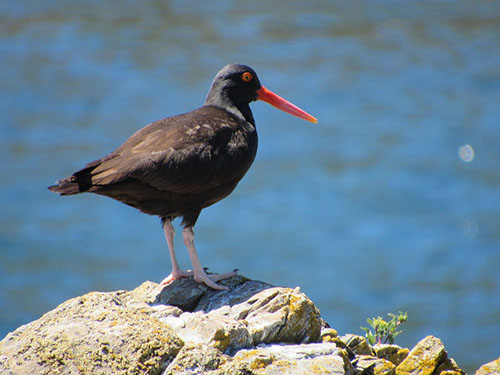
(391,202)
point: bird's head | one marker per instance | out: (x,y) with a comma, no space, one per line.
(235,86)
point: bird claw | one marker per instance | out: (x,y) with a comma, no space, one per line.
(176,276)
(213,285)
(202,278)
(211,279)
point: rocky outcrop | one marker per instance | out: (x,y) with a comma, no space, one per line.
(428,357)
(186,328)
(490,368)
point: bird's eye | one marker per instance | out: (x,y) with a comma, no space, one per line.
(246,77)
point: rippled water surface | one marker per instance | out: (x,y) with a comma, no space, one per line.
(391,202)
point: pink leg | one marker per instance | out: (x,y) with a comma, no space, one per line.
(199,274)
(177,272)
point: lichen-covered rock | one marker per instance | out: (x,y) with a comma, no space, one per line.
(142,331)
(280,315)
(392,353)
(358,344)
(490,368)
(425,358)
(203,359)
(323,358)
(249,315)
(328,335)
(367,364)
(186,328)
(214,329)
(449,367)
(91,334)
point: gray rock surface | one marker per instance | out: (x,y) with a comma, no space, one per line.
(187,328)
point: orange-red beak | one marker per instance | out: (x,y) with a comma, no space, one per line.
(280,103)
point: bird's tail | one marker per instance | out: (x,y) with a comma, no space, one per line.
(79,182)
(66,186)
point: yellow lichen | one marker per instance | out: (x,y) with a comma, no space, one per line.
(383,367)
(317,369)
(256,359)
(283,364)
(329,335)
(220,340)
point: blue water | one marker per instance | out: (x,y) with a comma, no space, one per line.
(373,210)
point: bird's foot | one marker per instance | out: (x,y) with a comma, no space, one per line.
(176,275)
(211,279)
(201,277)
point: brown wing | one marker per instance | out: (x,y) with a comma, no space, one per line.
(189,153)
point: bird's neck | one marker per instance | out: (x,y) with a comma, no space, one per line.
(240,110)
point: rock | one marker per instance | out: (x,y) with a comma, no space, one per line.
(280,315)
(214,329)
(187,328)
(367,364)
(203,359)
(184,294)
(136,332)
(490,368)
(328,335)
(323,358)
(188,295)
(251,314)
(88,334)
(358,344)
(393,353)
(426,358)
(449,367)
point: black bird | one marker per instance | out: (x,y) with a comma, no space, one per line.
(177,166)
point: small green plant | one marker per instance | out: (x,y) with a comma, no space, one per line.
(384,332)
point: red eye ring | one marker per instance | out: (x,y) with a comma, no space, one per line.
(246,77)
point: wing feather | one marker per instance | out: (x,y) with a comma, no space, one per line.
(189,153)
